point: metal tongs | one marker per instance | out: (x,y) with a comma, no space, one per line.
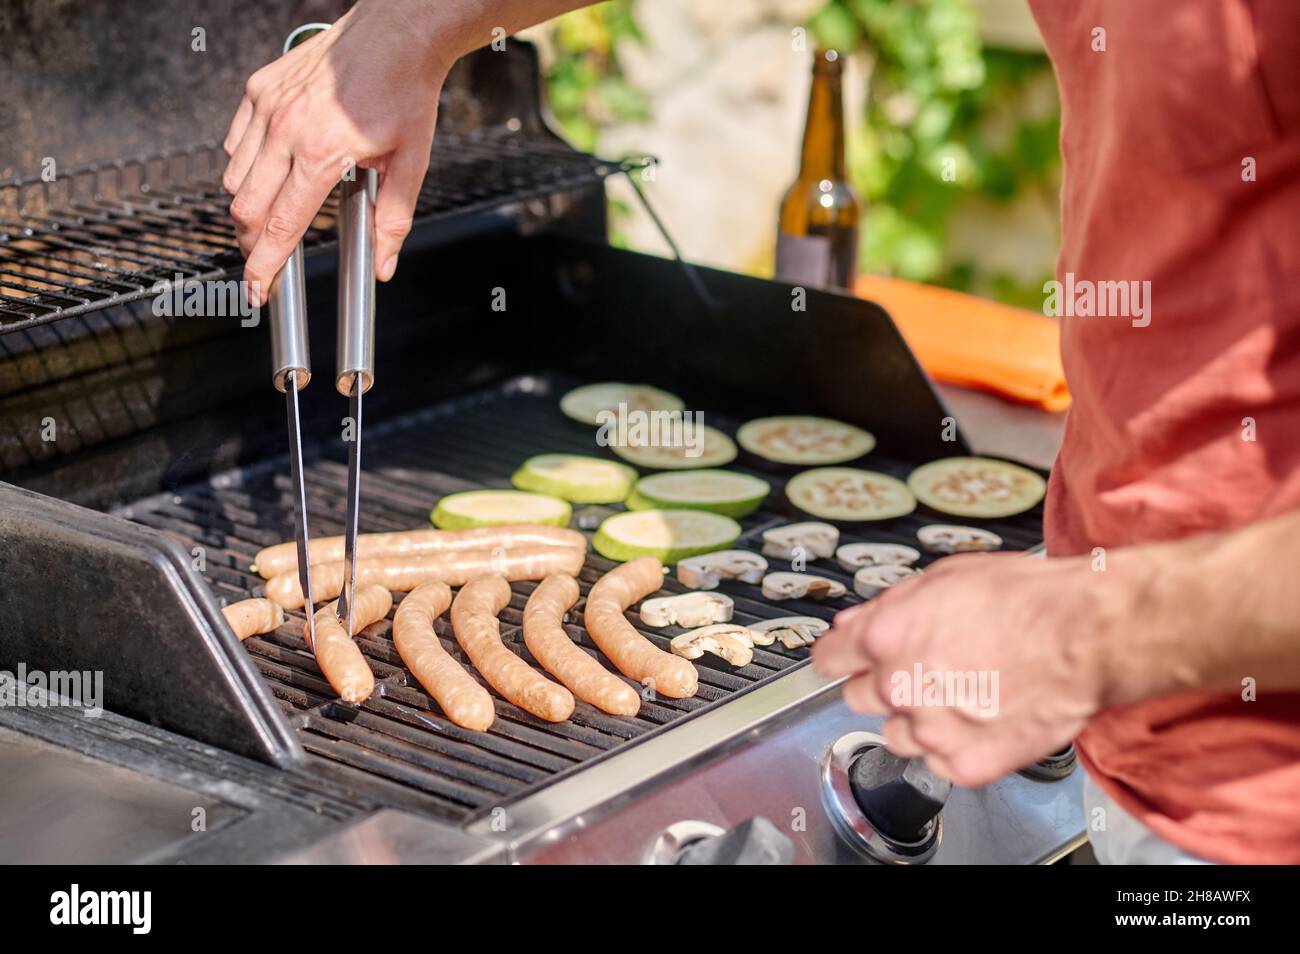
(291,359)
(356,345)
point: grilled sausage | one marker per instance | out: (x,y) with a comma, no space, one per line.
(632,653)
(546,639)
(404,573)
(464,701)
(474,620)
(283,557)
(253,617)
(337,655)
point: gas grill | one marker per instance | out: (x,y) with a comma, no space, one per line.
(143,460)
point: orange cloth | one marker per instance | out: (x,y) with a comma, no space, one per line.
(976,343)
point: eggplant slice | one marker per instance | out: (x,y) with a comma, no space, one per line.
(804,441)
(847,495)
(977,487)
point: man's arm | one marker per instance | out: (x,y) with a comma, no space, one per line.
(1228,606)
(1066,639)
(363,93)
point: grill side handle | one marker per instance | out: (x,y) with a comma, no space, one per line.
(87,592)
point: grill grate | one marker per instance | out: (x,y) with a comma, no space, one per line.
(410,461)
(109,233)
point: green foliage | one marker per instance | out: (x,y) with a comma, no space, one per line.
(946,120)
(585,87)
(935,94)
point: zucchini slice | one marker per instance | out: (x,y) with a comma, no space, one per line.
(804,441)
(715,448)
(846,494)
(976,487)
(721,491)
(573,477)
(670,535)
(587,402)
(490,508)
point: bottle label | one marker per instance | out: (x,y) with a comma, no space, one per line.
(803,259)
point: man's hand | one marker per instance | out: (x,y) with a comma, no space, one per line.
(363,93)
(1067,638)
(1026,639)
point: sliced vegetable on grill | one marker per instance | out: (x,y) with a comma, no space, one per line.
(700,608)
(729,641)
(708,571)
(810,539)
(952,538)
(797,586)
(804,441)
(873,580)
(573,477)
(846,494)
(976,487)
(854,556)
(669,535)
(488,508)
(586,403)
(721,491)
(795,632)
(687,447)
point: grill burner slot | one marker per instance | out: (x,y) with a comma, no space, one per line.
(398,734)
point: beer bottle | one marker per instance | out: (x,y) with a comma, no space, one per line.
(817,236)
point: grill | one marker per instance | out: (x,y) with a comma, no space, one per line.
(143,466)
(109,233)
(398,734)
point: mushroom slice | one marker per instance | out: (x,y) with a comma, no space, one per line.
(952,538)
(707,571)
(733,643)
(687,609)
(854,556)
(795,632)
(794,586)
(873,580)
(817,540)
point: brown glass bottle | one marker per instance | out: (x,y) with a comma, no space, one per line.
(817,236)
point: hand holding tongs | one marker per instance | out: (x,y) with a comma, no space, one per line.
(356,348)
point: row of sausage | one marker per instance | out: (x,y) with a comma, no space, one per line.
(425,564)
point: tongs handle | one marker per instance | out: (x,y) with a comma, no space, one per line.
(356,339)
(290,353)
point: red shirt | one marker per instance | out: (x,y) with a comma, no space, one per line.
(1181,141)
